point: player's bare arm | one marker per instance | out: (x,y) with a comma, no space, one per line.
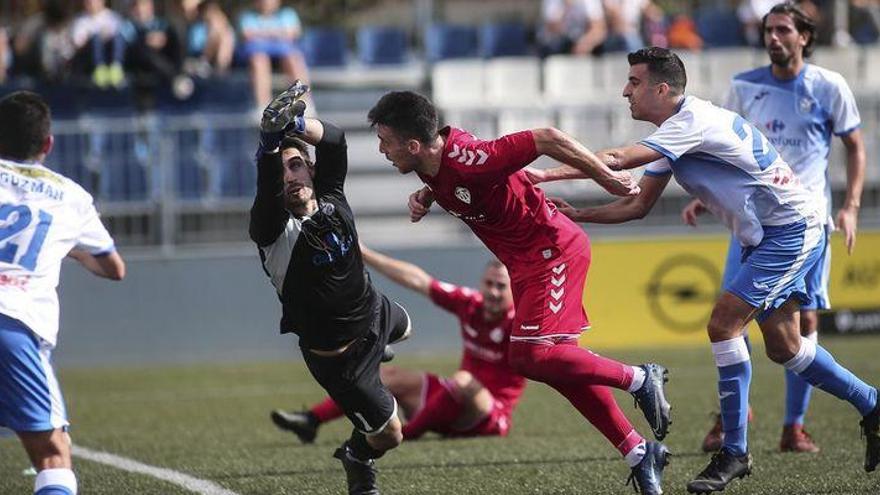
(561,147)
(406,274)
(109,266)
(624,209)
(847,219)
(628,157)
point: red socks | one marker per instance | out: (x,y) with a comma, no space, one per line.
(440,409)
(583,378)
(326,410)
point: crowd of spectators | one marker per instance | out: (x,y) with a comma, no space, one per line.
(583,27)
(148,47)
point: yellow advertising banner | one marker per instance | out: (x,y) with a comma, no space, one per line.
(660,292)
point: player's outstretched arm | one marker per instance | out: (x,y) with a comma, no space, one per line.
(622,210)
(109,266)
(561,147)
(628,157)
(847,219)
(406,274)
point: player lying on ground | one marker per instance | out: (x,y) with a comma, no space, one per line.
(728,165)
(308,245)
(476,400)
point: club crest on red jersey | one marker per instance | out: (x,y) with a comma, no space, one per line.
(463,195)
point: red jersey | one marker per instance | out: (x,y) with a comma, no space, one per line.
(481,182)
(485,342)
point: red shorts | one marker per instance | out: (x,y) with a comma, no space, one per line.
(496,423)
(549,302)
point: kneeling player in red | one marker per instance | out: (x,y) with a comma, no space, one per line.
(479,398)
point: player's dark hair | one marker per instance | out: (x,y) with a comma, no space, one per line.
(494,263)
(409,114)
(24,125)
(664,66)
(802,22)
(292,141)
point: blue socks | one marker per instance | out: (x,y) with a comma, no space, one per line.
(816,366)
(797,394)
(734,375)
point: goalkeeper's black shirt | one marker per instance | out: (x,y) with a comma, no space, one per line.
(314,262)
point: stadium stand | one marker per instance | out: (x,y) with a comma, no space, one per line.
(183,173)
(507,39)
(325,47)
(381,45)
(719,27)
(445,41)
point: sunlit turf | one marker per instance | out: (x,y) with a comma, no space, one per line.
(212,422)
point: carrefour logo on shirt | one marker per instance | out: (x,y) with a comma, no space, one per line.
(774,126)
(774,129)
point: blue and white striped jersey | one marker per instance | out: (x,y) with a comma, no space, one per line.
(722,159)
(43,215)
(798,116)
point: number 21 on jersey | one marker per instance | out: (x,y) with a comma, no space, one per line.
(14,221)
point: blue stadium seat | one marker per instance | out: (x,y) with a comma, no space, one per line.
(324,47)
(445,41)
(719,27)
(503,40)
(381,45)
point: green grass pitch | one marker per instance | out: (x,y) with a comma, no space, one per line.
(211,422)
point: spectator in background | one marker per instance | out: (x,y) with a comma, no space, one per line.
(751,14)
(210,39)
(43,45)
(571,26)
(864,21)
(98,32)
(155,54)
(625,18)
(682,33)
(269,33)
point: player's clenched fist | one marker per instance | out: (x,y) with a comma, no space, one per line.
(420,204)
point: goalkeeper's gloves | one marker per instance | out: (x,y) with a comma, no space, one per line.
(284,113)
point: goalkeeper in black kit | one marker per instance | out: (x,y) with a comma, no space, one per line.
(308,244)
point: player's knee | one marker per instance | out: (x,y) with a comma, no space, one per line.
(465,383)
(781,353)
(391,436)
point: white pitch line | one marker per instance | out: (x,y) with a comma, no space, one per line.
(203,487)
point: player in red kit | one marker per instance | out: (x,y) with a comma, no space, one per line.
(547,255)
(479,398)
